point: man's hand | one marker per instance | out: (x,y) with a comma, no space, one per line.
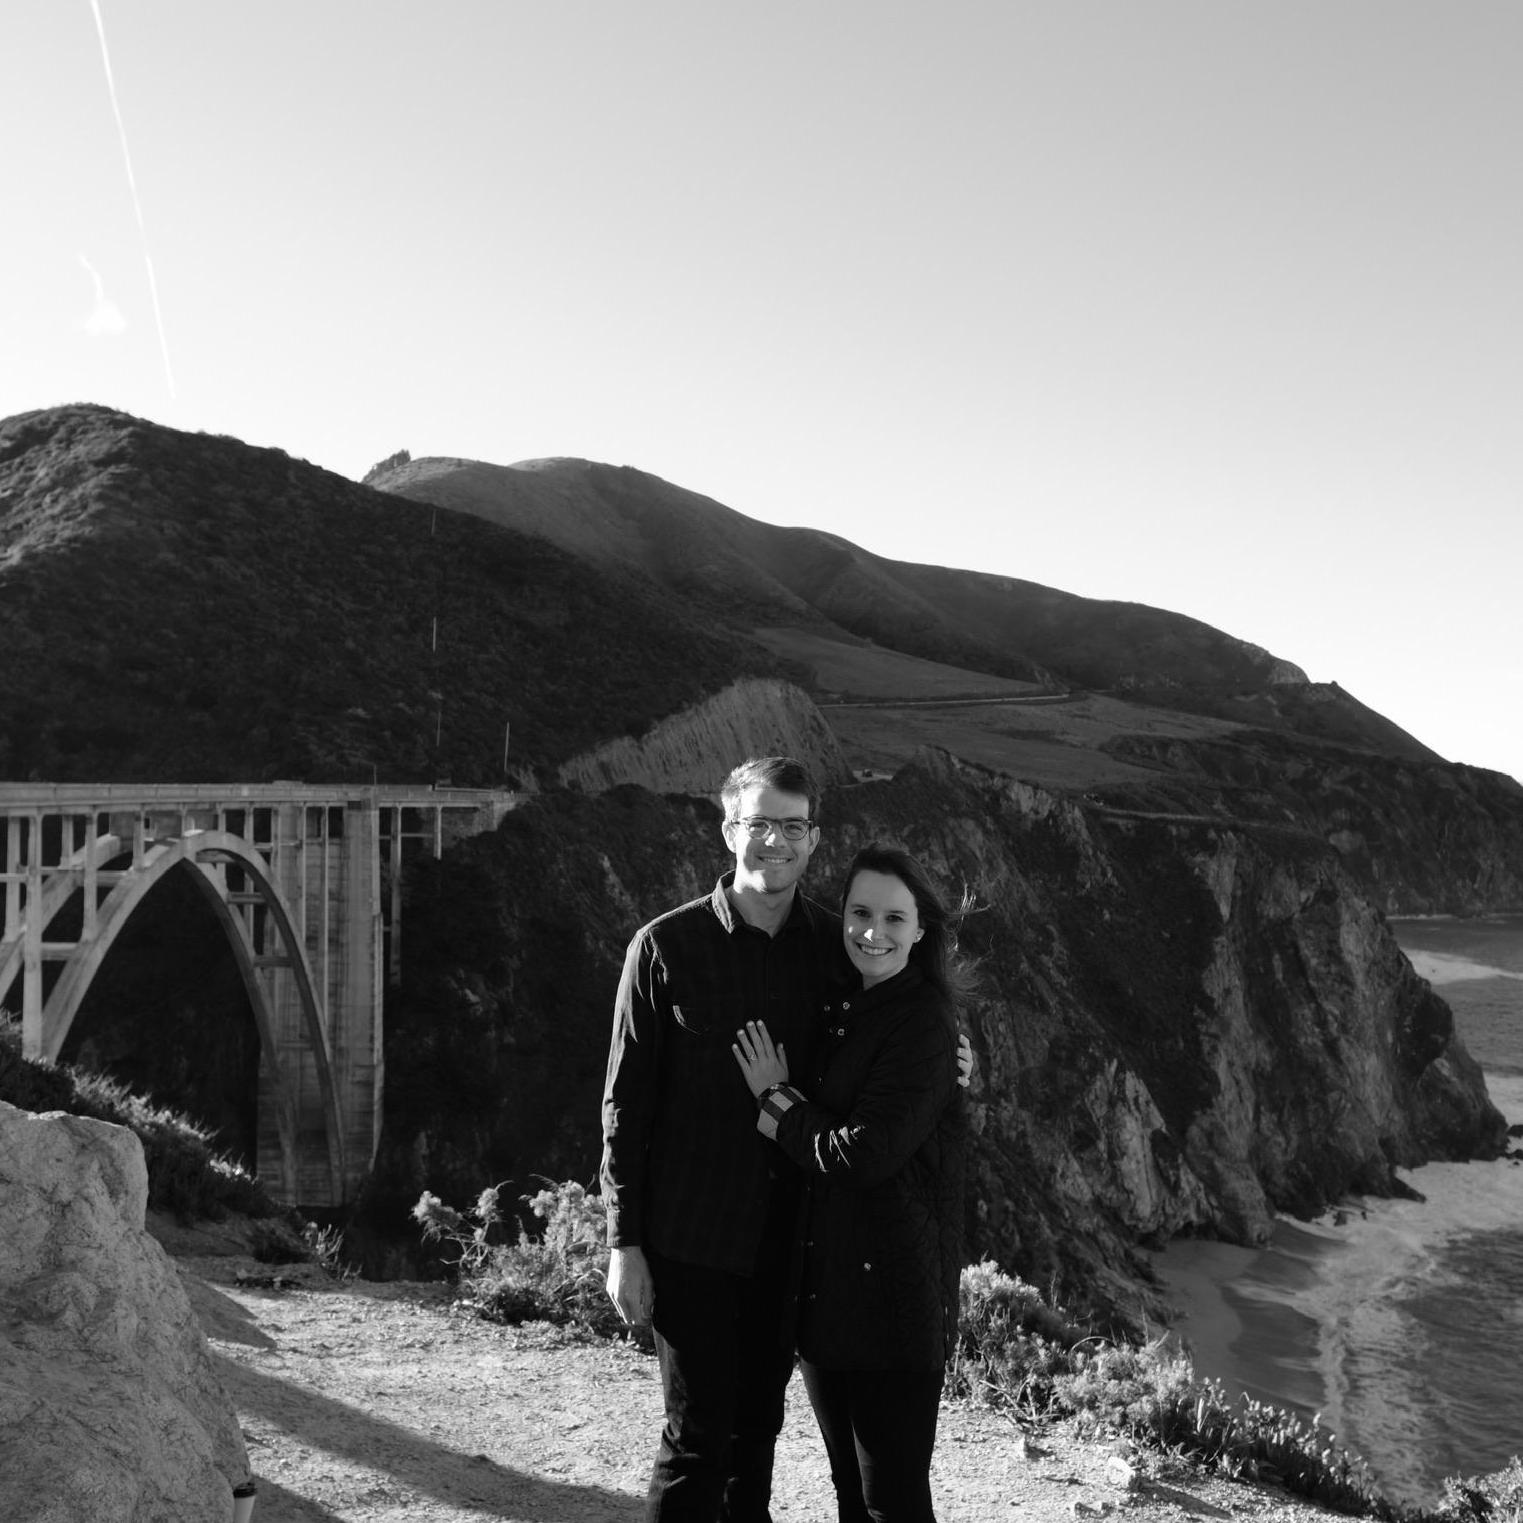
(629,1285)
(965,1061)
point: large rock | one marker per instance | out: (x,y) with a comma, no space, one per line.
(110,1409)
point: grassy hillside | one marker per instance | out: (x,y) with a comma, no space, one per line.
(843,666)
(760,577)
(1068,745)
(184,606)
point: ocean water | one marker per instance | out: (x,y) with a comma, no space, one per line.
(1400,1322)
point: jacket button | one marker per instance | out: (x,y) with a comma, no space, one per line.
(867,1266)
(846,1004)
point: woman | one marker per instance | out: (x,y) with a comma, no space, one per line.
(878,1131)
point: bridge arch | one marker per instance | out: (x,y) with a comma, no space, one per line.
(261,960)
(305,881)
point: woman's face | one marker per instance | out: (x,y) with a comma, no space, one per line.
(879,924)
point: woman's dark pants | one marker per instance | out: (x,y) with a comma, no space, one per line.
(724,1368)
(879,1428)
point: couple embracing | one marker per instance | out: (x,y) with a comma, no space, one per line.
(783,1164)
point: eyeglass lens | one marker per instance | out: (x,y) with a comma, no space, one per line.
(758,825)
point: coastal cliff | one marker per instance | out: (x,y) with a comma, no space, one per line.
(1181,1028)
(1421,837)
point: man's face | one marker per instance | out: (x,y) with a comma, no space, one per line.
(771,863)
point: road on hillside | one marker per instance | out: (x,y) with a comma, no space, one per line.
(948,703)
(1218,821)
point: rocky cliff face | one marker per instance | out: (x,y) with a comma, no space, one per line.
(1420,837)
(1181,1028)
(691,752)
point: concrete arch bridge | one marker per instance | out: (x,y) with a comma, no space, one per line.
(306,884)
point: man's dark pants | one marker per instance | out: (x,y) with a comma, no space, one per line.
(725,1365)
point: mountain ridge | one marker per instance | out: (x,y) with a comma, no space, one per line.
(182,605)
(986,622)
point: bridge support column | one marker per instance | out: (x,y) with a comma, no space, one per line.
(326,861)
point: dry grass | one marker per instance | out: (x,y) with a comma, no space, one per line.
(885,706)
(857,669)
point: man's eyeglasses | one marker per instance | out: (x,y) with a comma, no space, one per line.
(760,826)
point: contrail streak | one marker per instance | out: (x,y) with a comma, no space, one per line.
(137,205)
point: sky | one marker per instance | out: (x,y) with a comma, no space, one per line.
(1207,304)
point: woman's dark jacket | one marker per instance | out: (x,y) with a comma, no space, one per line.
(881,1140)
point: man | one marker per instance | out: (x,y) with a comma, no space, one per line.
(700,1210)
(700,1207)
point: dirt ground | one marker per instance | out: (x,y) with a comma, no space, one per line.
(375,1403)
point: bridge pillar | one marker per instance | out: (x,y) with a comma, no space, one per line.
(325,859)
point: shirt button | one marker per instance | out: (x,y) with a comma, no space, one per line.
(867,1266)
(846,1004)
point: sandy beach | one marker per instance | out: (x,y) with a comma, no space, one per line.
(1236,1319)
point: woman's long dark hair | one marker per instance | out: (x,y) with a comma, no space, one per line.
(935,954)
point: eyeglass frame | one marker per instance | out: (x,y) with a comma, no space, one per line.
(749,821)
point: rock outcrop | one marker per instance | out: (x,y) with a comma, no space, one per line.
(110,1408)
(691,752)
(1420,837)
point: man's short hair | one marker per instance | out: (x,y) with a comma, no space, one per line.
(783,773)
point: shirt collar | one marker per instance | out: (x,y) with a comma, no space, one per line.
(800,912)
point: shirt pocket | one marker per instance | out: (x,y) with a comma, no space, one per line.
(695,1019)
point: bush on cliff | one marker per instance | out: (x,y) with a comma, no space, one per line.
(1496,1498)
(1015,1350)
(186,1177)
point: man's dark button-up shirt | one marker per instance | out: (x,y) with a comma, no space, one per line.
(684,1169)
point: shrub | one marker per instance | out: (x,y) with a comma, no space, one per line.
(1146,1393)
(471,1246)
(186,1177)
(1013,1348)
(556,1276)
(1011,1345)
(1495,1498)
(325,1247)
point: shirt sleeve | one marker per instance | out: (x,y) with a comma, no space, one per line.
(629,1096)
(909,1085)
